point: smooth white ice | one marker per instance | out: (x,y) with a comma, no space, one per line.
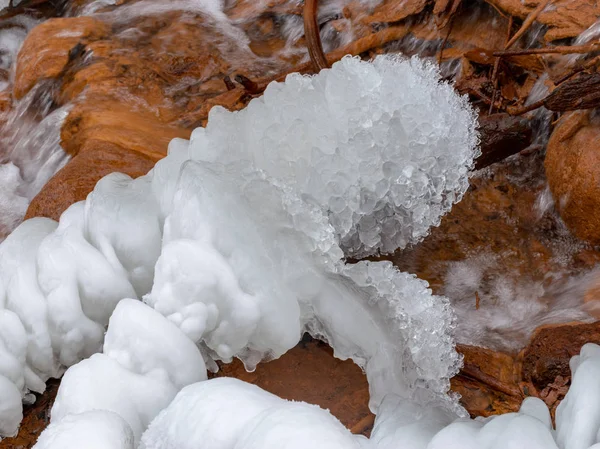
(97,429)
(231,414)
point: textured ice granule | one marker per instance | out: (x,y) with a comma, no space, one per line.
(384,148)
(418,352)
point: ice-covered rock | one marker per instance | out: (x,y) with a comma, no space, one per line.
(407,424)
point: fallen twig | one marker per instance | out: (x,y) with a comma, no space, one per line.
(527,23)
(561,49)
(230,85)
(250,86)
(313,37)
(450,25)
(582,92)
(497,66)
(354,48)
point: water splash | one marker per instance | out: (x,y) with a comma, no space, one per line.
(30,151)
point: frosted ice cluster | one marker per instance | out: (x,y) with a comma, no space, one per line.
(225,250)
(384,149)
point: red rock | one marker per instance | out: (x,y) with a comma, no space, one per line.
(573,171)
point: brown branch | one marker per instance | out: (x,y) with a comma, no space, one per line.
(561,49)
(313,37)
(230,85)
(523,110)
(354,48)
(527,23)
(582,92)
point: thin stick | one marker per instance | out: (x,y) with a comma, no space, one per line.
(563,50)
(528,22)
(354,48)
(313,37)
(579,69)
(524,109)
(450,25)
(497,66)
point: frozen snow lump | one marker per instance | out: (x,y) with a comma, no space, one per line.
(384,148)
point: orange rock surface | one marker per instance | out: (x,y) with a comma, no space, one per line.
(573,172)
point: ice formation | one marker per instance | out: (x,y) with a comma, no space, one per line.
(227,413)
(235,243)
(375,159)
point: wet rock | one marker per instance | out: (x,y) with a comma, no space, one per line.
(545,361)
(136,82)
(77,179)
(115,123)
(573,171)
(488,382)
(47,49)
(310,373)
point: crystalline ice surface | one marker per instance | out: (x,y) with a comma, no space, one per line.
(383,149)
(235,242)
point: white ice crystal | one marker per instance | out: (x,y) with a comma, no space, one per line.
(384,149)
(234,242)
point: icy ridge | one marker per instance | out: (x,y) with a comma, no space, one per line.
(238,252)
